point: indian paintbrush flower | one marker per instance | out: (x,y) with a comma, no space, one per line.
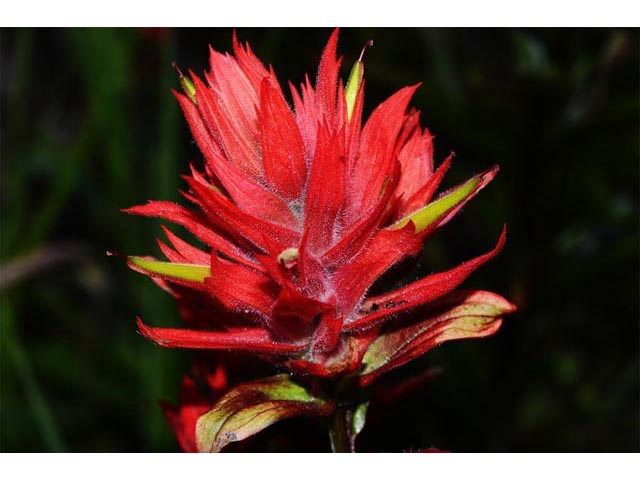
(300,212)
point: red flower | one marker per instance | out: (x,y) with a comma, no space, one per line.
(301,212)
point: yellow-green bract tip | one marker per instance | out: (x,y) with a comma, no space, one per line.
(354,82)
(178,271)
(430,213)
(351,90)
(186,84)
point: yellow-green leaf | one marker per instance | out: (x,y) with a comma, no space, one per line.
(353,85)
(430,213)
(447,204)
(180,271)
(358,419)
(187,86)
(354,81)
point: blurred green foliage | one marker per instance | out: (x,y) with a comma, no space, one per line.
(89,126)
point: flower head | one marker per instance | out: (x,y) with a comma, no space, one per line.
(301,210)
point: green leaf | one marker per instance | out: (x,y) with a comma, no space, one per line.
(251,407)
(447,203)
(169,270)
(358,418)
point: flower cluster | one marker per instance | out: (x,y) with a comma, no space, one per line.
(301,211)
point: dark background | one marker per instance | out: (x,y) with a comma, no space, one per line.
(89,126)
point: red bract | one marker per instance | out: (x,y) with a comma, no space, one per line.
(301,212)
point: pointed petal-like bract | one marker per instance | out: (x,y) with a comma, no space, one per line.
(386,249)
(420,292)
(186,250)
(326,86)
(250,64)
(237,223)
(235,94)
(376,163)
(194,222)
(282,148)
(256,340)
(240,288)
(322,205)
(416,159)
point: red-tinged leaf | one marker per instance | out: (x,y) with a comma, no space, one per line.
(440,211)
(326,86)
(385,249)
(238,224)
(251,407)
(195,223)
(240,288)
(462,315)
(325,190)
(283,154)
(376,160)
(253,340)
(420,292)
